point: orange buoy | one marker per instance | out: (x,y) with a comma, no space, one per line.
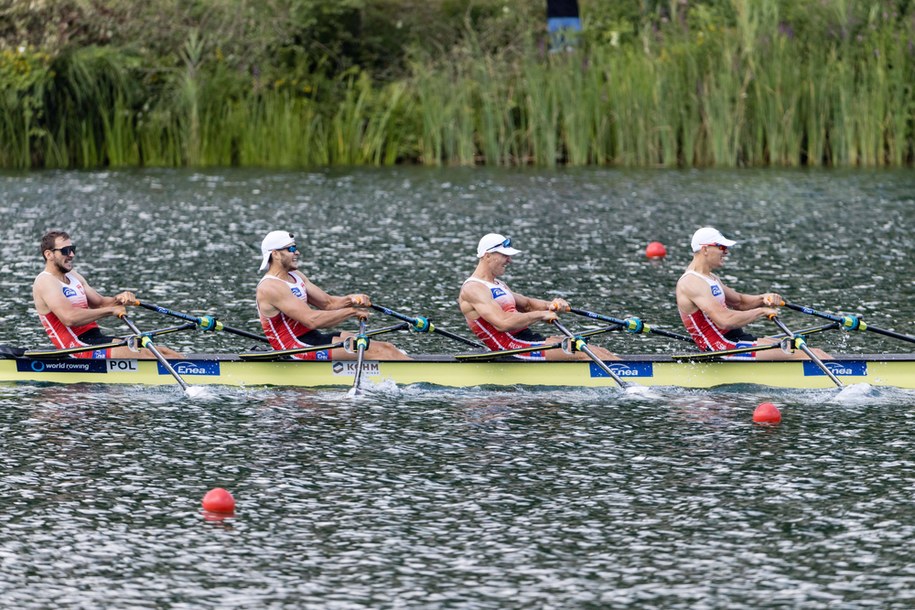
(655,250)
(767,413)
(219,500)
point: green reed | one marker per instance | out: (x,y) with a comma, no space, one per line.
(748,95)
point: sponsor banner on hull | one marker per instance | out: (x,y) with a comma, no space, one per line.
(73,365)
(347,368)
(191,367)
(625,370)
(849,368)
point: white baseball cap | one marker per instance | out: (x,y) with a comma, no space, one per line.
(275,240)
(493,242)
(708,236)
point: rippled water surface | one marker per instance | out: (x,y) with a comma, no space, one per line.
(477,498)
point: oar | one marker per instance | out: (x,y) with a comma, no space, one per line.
(146,342)
(800,343)
(204,322)
(849,322)
(526,350)
(362,343)
(424,325)
(581,345)
(632,325)
(119,342)
(279,353)
(754,348)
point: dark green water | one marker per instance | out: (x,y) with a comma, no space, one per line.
(425,497)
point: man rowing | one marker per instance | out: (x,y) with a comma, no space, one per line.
(69,307)
(715,314)
(292,308)
(500,317)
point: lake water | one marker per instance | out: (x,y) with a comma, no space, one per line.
(421,497)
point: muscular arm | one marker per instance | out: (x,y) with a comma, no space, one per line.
(50,299)
(693,294)
(321,300)
(476,301)
(276,296)
(743,302)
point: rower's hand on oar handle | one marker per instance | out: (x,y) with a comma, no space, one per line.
(773,299)
(359,300)
(549,317)
(360,314)
(126,298)
(560,305)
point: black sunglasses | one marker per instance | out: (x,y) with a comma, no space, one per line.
(66,250)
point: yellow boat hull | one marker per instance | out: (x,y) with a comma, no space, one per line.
(897,370)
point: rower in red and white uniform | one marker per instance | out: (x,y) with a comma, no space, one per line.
(69,307)
(500,317)
(714,314)
(292,309)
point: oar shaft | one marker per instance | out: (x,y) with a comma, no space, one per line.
(582,346)
(850,322)
(527,350)
(155,352)
(424,325)
(118,342)
(631,324)
(314,348)
(806,349)
(209,323)
(361,344)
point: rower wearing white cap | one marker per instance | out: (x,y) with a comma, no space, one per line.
(500,317)
(291,308)
(715,314)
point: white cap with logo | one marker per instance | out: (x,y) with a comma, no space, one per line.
(275,240)
(708,236)
(493,242)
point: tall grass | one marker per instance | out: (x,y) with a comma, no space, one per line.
(749,95)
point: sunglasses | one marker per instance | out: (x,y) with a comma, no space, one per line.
(719,246)
(506,243)
(291,248)
(66,250)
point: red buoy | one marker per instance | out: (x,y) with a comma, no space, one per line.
(655,250)
(219,500)
(767,413)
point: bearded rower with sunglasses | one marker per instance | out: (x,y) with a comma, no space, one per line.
(500,317)
(69,307)
(715,314)
(291,308)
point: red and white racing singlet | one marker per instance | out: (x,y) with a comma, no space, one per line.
(498,340)
(282,331)
(61,335)
(705,333)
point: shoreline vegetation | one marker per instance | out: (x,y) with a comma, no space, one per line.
(306,83)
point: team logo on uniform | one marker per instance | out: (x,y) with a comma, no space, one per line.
(69,292)
(497,292)
(716,291)
(297,292)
